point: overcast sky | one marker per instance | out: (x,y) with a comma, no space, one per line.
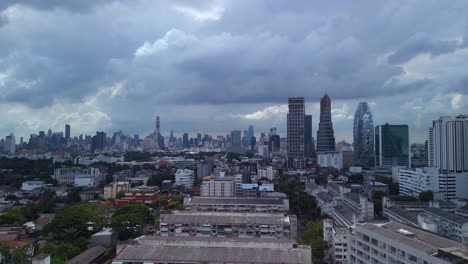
(215,66)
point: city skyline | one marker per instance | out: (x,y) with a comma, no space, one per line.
(170,60)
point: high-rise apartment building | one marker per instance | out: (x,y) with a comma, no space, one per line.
(295,132)
(67,131)
(363,133)
(10,144)
(392,146)
(448,144)
(325,134)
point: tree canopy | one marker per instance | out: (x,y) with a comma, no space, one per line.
(129,220)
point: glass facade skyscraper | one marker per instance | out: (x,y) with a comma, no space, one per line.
(363,132)
(392,146)
(325,134)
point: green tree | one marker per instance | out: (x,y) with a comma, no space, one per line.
(129,220)
(72,222)
(313,236)
(60,251)
(120,194)
(426,196)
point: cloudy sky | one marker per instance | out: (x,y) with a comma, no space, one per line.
(215,66)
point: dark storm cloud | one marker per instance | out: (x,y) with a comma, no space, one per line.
(419,44)
(114,60)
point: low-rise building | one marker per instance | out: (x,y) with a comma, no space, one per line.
(449,224)
(218,187)
(82,177)
(337,241)
(217,224)
(330,160)
(112,189)
(201,250)
(184,177)
(398,243)
(267,172)
(31,185)
(236,204)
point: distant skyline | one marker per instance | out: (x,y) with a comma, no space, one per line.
(213,66)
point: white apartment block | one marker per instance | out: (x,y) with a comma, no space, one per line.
(184,177)
(330,160)
(203,250)
(447,146)
(218,187)
(413,182)
(266,172)
(449,224)
(228,224)
(337,241)
(82,177)
(401,244)
(236,204)
(111,190)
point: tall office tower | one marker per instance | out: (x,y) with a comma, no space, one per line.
(67,131)
(49,133)
(98,141)
(10,144)
(325,135)
(185,141)
(448,144)
(251,132)
(295,132)
(236,139)
(309,147)
(363,133)
(158,126)
(392,146)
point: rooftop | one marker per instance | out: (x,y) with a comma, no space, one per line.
(447,215)
(233,201)
(420,240)
(138,253)
(409,216)
(88,256)
(326,197)
(225,218)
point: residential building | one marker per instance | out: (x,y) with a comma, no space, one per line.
(204,169)
(218,187)
(414,181)
(184,177)
(449,224)
(82,177)
(337,241)
(224,224)
(67,132)
(236,204)
(295,132)
(112,189)
(201,250)
(447,146)
(266,172)
(398,243)
(9,146)
(392,146)
(363,134)
(325,134)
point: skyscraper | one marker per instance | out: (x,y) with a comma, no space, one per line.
(158,126)
(363,133)
(10,144)
(250,132)
(295,132)
(309,147)
(98,141)
(392,146)
(325,134)
(67,131)
(448,144)
(185,141)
